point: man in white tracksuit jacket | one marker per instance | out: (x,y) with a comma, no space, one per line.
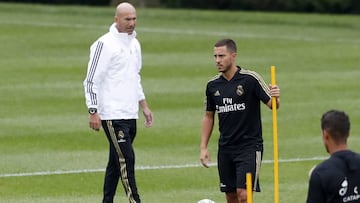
(113,92)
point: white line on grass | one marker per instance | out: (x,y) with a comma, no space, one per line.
(61,172)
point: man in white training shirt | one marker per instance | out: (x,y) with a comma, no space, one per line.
(113,93)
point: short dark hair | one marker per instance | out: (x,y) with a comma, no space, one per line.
(229,43)
(337,124)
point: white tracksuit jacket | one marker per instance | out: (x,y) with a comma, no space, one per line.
(113,82)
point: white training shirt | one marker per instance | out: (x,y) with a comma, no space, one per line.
(113,82)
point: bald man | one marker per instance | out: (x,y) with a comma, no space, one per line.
(113,93)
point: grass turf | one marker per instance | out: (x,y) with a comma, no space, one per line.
(44,121)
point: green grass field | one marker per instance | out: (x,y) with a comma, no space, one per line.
(48,153)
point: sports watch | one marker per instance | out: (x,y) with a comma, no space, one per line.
(92,111)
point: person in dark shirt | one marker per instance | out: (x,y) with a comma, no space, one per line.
(337,179)
(235,94)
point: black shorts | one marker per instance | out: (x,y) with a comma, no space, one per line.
(233,166)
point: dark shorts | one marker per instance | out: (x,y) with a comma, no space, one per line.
(233,166)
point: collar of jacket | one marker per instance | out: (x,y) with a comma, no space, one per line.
(121,35)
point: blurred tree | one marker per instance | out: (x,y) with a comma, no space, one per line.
(138,3)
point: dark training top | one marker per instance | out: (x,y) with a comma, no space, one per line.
(237,103)
(336,180)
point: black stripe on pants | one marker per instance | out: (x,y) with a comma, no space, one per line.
(121,164)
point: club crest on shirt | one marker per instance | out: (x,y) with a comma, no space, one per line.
(239,90)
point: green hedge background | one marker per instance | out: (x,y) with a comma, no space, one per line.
(308,6)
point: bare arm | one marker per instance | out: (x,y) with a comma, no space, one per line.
(147,113)
(206,130)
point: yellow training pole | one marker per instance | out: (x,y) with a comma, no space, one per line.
(275,138)
(249,188)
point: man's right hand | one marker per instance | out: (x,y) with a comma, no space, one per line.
(205,157)
(94,121)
